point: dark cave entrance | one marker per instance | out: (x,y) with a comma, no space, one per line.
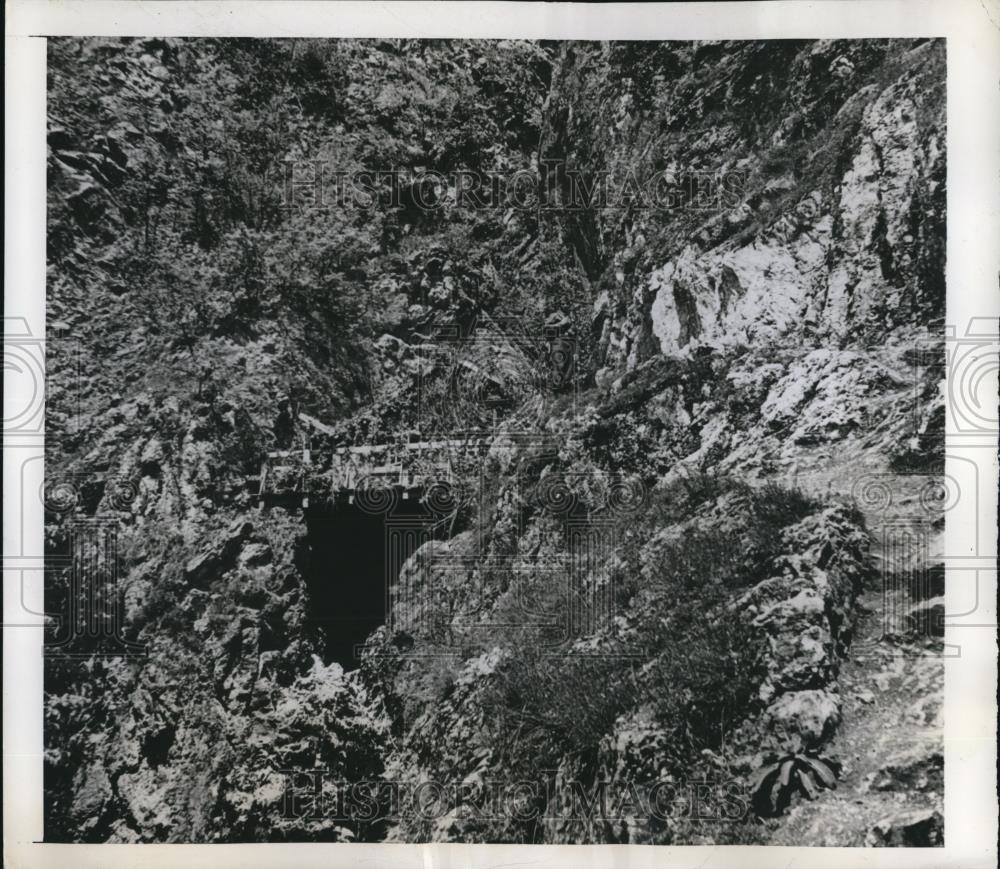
(348,570)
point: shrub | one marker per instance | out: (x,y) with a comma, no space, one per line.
(705,680)
(570,700)
(772,786)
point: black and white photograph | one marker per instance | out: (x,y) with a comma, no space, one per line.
(514,441)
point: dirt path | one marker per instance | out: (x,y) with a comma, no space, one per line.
(890,740)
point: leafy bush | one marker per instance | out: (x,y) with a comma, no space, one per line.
(706,664)
(568,701)
(772,786)
(706,679)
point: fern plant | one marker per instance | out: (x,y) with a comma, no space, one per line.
(773,785)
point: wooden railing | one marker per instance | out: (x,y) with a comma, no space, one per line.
(303,473)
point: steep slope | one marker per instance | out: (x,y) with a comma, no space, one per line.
(759,299)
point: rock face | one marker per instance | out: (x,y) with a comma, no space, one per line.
(807,615)
(820,243)
(916,768)
(229,694)
(908,830)
(644,584)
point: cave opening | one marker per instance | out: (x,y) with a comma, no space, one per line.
(350,566)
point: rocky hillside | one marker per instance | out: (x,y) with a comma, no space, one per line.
(746,332)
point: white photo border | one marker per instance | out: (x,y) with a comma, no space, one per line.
(972,30)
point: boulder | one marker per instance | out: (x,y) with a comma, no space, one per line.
(919,829)
(201,568)
(255,555)
(810,715)
(213,560)
(914,768)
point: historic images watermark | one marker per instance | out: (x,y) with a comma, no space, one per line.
(314,794)
(551,186)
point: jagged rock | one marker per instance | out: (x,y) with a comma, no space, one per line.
(927,618)
(927,710)
(152,454)
(810,716)
(757,340)
(202,566)
(908,830)
(914,768)
(255,555)
(805,609)
(239,529)
(94,793)
(213,560)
